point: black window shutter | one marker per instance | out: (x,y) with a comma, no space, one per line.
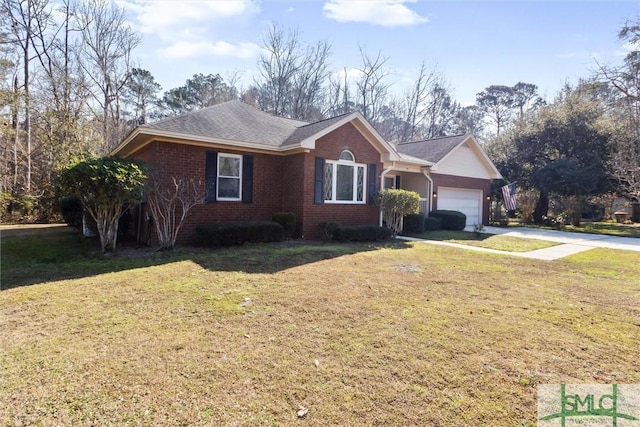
(211,176)
(318,181)
(372,183)
(247,178)
(397,182)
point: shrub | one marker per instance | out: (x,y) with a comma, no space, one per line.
(395,204)
(71,210)
(287,220)
(105,186)
(327,230)
(558,221)
(239,232)
(362,233)
(432,223)
(451,220)
(413,223)
(5,205)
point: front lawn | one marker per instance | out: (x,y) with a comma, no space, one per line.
(361,334)
(610,228)
(489,241)
(607,228)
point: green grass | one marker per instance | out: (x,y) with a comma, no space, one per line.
(607,228)
(403,334)
(489,241)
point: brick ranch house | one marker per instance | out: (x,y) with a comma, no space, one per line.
(255,164)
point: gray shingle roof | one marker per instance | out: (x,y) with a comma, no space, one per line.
(232,120)
(433,149)
(303,132)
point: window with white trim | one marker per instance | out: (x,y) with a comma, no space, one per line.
(229,177)
(344,180)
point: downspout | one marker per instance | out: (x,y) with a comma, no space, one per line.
(429,190)
(382,175)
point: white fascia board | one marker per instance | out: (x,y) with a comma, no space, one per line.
(310,142)
(435,166)
(495,173)
(388,151)
(478,150)
(126,141)
(388,147)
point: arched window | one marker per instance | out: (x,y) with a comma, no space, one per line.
(344,179)
(347,155)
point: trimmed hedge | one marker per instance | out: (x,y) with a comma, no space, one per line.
(287,220)
(362,233)
(239,232)
(451,220)
(332,230)
(419,223)
(432,223)
(328,229)
(413,223)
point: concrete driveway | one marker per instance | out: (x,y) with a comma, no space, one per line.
(570,243)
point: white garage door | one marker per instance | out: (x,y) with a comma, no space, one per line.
(469,202)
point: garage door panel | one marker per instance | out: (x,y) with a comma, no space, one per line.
(467,201)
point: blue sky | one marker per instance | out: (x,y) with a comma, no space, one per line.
(473,44)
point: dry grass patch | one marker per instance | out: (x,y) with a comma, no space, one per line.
(507,243)
(489,241)
(402,334)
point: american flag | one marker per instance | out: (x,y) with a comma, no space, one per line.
(509,195)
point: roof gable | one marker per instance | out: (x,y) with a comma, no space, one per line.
(309,130)
(432,150)
(440,150)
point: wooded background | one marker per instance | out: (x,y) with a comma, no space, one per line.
(70,90)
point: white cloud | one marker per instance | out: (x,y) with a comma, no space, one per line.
(388,13)
(188,50)
(163,17)
(353,75)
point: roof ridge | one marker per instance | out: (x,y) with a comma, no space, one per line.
(274,115)
(208,107)
(324,120)
(432,139)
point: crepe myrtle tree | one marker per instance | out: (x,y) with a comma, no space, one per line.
(395,204)
(169,200)
(105,187)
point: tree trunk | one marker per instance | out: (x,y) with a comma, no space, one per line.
(16,128)
(107,225)
(27,100)
(542,207)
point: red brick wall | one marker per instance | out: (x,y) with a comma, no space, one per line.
(189,161)
(464,182)
(329,147)
(280,183)
(293,188)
